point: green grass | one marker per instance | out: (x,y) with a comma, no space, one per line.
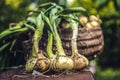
(107,74)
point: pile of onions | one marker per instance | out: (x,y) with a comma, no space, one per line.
(48,17)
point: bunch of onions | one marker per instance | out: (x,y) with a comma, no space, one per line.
(49,16)
(61,61)
(91,22)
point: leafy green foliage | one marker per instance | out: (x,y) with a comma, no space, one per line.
(11,12)
(108,74)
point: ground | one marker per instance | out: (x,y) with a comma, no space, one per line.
(20,74)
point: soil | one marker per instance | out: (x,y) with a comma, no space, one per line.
(20,74)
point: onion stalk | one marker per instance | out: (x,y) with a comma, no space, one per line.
(59,61)
(11,33)
(37,60)
(16,30)
(80,61)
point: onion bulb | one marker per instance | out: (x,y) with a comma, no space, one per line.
(83,20)
(60,63)
(88,26)
(65,25)
(30,64)
(43,63)
(94,24)
(93,18)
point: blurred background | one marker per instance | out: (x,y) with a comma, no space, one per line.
(107,65)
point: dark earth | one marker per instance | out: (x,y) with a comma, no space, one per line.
(20,74)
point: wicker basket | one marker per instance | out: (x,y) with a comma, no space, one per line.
(90,42)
